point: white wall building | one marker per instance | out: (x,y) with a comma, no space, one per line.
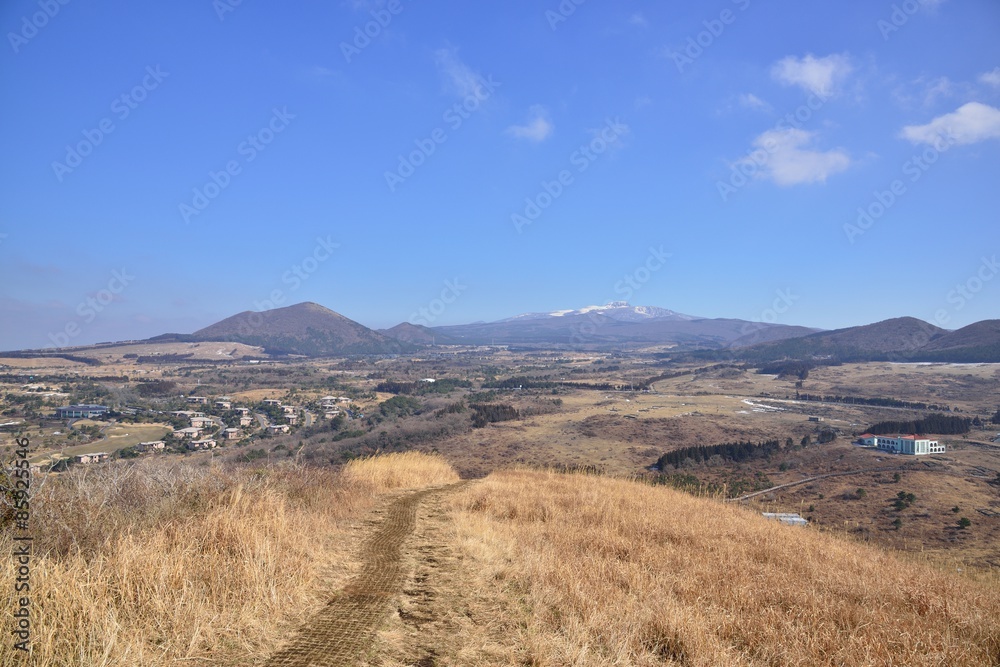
(903,444)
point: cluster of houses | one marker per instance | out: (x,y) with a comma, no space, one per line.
(911,444)
(328,404)
(199,422)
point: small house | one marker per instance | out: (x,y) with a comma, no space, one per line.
(195,445)
(97,457)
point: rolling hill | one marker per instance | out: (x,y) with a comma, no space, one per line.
(977,342)
(898,339)
(416,334)
(305,328)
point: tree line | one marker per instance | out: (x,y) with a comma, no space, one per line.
(935,423)
(442,386)
(487,413)
(534,383)
(877,402)
(732,451)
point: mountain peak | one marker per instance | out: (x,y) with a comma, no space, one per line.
(621,311)
(303,328)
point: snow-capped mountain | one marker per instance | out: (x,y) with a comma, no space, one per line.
(621,311)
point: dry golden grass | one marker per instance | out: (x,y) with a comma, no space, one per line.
(405,470)
(153,564)
(581,570)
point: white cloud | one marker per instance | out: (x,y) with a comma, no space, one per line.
(751,101)
(821,76)
(537,129)
(784,157)
(969,124)
(461,78)
(637,19)
(991,78)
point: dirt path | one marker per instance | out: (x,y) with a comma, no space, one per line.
(435,607)
(340,633)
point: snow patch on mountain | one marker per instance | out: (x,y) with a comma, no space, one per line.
(616,310)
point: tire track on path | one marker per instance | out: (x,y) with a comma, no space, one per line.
(342,630)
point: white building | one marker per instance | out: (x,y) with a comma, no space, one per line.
(903,444)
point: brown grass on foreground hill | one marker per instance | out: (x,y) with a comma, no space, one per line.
(581,570)
(153,564)
(406,470)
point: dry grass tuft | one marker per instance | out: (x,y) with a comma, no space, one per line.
(151,564)
(406,470)
(585,570)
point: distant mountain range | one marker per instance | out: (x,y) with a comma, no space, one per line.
(598,330)
(311,330)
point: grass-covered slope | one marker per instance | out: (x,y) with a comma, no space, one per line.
(594,571)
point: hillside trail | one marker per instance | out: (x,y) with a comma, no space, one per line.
(342,631)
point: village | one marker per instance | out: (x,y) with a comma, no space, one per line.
(208,424)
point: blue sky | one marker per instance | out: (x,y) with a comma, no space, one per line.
(169,164)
